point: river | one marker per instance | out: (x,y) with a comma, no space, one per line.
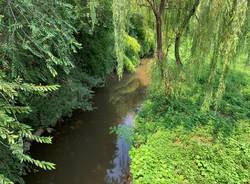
(83,149)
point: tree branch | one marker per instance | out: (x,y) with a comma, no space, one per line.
(162,6)
(152,4)
(191,13)
(11,10)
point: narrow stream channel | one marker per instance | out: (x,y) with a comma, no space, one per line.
(83,149)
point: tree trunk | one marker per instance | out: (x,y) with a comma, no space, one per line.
(159,43)
(159,38)
(158,11)
(181,30)
(177,49)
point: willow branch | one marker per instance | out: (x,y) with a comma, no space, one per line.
(162,6)
(152,4)
(11,10)
(191,13)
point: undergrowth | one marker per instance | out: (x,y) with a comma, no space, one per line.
(176,142)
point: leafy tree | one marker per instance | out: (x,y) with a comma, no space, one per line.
(14,133)
(203,109)
(37,46)
(67,43)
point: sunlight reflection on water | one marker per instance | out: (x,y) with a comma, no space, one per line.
(121,161)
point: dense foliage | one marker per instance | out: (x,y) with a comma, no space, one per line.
(34,47)
(176,142)
(194,127)
(52,54)
(180,156)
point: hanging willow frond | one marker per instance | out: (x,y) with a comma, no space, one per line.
(120,13)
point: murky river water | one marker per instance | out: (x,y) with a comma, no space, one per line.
(83,149)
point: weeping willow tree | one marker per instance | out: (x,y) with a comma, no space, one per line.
(206,38)
(38,46)
(171,19)
(127,48)
(215,29)
(119,19)
(216,39)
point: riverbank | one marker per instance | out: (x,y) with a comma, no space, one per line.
(177,142)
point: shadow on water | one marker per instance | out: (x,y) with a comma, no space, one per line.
(83,149)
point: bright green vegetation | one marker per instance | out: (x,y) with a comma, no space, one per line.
(175,142)
(194,126)
(181,156)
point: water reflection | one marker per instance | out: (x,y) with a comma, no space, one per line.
(83,150)
(126,95)
(118,173)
